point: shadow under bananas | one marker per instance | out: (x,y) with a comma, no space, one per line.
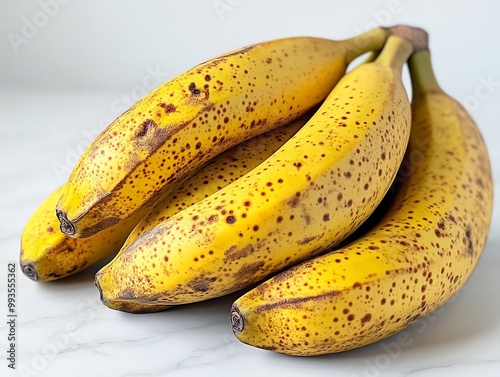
(85,279)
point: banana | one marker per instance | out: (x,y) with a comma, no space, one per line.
(418,255)
(216,174)
(311,193)
(48,254)
(196,116)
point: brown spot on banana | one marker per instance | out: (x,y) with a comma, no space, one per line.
(294,201)
(145,128)
(126,293)
(75,268)
(306,240)
(248,271)
(283,275)
(230,219)
(222,58)
(468,241)
(194,90)
(170,108)
(200,285)
(104,224)
(54,275)
(153,137)
(297,301)
(235,253)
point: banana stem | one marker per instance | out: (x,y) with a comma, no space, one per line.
(372,40)
(396,52)
(418,37)
(422,75)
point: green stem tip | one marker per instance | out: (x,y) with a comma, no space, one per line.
(422,75)
(395,53)
(371,40)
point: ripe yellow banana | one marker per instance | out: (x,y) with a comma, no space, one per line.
(197,115)
(216,174)
(416,258)
(313,192)
(48,254)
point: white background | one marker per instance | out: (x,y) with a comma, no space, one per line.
(68,68)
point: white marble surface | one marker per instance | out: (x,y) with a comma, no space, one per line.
(62,328)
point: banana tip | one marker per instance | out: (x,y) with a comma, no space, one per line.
(237,321)
(66,226)
(98,285)
(29,270)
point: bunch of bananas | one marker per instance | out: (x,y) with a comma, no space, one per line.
(350,211)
